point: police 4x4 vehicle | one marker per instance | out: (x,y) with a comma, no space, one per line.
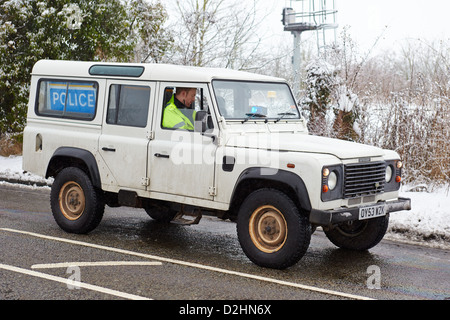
(98,129)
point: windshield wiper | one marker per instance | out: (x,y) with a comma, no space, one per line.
(285,114)
(254,115)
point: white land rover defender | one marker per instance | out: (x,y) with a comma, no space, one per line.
(98,129)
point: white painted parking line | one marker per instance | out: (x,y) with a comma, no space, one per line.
(95,264)
(195,265)
(78,284)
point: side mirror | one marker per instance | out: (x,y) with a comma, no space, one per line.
(203,123)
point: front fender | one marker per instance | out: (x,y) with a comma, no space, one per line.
(278,177)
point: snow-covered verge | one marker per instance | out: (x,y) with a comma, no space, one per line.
(428,223)
(429,220)
(11,172)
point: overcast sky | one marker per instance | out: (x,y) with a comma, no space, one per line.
(424,19)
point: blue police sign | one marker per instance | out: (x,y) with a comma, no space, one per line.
(73,97)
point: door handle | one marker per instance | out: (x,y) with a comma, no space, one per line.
(159,155)
(109,149)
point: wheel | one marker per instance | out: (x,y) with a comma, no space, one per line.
(271,230)
(76,204)
(359,235)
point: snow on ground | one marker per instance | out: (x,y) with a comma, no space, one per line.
(11,171)
(428,222)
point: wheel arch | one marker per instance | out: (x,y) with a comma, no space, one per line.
(287,182)
(74,157)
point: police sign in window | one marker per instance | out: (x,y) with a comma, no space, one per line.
(67,99)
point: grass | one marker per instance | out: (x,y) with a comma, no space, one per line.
(9,146)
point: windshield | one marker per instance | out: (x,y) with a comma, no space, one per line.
(255,100)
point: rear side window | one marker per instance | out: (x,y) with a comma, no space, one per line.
(125,71)
(128,105)
(67,99)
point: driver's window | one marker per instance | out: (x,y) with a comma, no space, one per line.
(183,106)
(128,105)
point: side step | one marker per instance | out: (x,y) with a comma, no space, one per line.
(187,211)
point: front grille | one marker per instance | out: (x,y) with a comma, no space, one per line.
(363,179)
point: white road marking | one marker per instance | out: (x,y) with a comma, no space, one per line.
(78,284)
(95,264)
(195,265)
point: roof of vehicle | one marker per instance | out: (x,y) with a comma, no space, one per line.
(155,72)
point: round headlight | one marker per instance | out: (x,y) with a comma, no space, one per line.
(332,180)
(388,175)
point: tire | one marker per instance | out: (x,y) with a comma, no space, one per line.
(271,230)
(76,204)
(359,235)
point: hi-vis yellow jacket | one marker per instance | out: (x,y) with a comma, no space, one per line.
(174,118)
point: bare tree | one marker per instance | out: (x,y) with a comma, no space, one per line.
(217,33)
(406,102)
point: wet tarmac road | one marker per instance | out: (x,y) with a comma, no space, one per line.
(144,259)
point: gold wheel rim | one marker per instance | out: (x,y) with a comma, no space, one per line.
(72,200)
(268,229)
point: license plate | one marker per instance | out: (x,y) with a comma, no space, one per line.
(371,212)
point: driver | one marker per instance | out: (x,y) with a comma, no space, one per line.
(173,118)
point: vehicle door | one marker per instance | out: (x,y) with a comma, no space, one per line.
(126,132)
(182,161)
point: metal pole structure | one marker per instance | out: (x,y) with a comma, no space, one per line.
(297,60)
(309,19)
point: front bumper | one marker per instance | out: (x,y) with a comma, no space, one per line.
(337,216)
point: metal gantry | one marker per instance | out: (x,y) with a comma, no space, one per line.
(308,15)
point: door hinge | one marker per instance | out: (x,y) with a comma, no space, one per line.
(145,181)
(150,135)
(212,191)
